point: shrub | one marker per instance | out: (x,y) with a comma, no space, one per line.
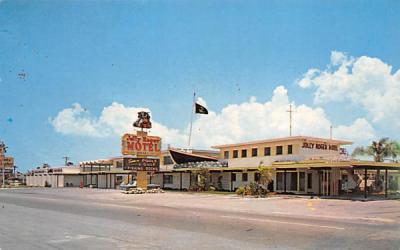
(253,189)
(202,176)
(46,184)
(240,190)
(193,188)
(211,188)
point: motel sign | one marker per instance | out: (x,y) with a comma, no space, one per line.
(141,144)
(6,161)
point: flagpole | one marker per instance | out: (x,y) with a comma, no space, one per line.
(191,119)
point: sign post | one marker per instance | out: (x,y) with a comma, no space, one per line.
(142,146)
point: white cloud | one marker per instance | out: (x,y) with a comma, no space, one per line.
(114,120)
(234,123)
(201,101)
(254,120)
(305,82)
(365,81)
(360,131)
(338,58)
(75,120)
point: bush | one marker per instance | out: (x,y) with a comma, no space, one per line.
(212,188)
(46,184)
(193,188)
(253,189)
(240,190)
(202,176)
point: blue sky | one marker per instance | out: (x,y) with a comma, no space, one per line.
(153,54)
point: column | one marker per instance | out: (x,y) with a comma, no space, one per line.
(91,178)
(231,181)
(319,182)
(386,182)
(306,182)
(180,182)
(298,180)
(365,182)
(284,181)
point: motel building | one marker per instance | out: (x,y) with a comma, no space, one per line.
(300,165)
(101,173)
(46,176)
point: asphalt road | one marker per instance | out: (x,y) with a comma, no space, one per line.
(49,219)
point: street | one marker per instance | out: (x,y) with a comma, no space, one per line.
(72,218)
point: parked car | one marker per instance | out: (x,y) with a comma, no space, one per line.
(128,186)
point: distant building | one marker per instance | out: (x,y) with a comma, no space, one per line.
(47,176)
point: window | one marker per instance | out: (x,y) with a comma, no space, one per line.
(244,177)
(168,179)
(279,150)
(244,153)
(168,160)
(233,177)
(257,177)
(235,154)
(309,181)
(267,151)
(290,149)
(226,155)
(254,152)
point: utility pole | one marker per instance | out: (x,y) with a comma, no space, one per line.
(66,160)
(3,150)
(330,132)
(290,111)
(15,173)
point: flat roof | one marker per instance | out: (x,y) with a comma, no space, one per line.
(192,150)
(316,164)
(289,138)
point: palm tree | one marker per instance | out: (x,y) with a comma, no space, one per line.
(379,150)
(395,150)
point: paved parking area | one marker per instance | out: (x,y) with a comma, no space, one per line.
(381,210)
(73,218)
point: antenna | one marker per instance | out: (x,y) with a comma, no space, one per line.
(290,111)
(66,160)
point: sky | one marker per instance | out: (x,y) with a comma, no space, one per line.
(74,74)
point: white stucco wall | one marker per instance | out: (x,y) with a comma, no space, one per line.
(74,179)
(266,160)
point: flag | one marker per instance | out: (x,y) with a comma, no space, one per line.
(200,109)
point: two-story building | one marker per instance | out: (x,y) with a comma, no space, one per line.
(300,164)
